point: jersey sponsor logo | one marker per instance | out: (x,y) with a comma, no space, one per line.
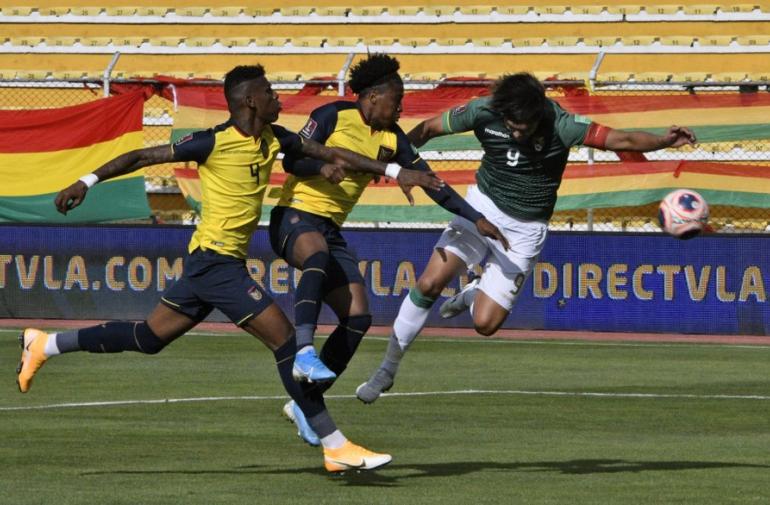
(496,133)
(385,153)
(183,139)
(458,110)
(309,128)
(539,143)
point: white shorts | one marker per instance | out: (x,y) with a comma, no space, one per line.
(505,271)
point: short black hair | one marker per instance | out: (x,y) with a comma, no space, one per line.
(376,69)
(241,74)
(519,97)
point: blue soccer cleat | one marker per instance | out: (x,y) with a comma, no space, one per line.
(294,414)
(309,368)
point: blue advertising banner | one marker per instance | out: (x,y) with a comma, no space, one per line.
(717,284)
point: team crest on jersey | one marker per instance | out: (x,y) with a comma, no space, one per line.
(385,153)
(539,143)
(459,110)
(255,293)
(183,139)
(308,130)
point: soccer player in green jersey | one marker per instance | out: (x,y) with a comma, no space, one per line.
(234,161)
(526,139)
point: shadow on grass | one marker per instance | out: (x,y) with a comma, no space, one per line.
(394,474)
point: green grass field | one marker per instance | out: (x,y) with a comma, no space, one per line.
(471,421)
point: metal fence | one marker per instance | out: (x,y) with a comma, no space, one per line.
(169,206)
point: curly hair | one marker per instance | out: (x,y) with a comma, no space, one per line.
(241,74)
(519,97)
(376,69)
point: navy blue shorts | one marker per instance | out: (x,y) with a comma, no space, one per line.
(212,280)
(286,224)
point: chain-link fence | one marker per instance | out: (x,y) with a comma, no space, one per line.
(168,204)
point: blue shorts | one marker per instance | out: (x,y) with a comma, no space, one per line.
(286,224)
(211,280)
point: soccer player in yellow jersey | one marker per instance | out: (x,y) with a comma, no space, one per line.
(305,226)
(234,161)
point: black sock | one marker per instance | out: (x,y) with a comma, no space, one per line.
(342,344)
(308,397)
(307,298)
(119,336)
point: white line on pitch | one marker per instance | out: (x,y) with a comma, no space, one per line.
(583,394)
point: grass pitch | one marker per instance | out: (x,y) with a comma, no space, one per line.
(470,421)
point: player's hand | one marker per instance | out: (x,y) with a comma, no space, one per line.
(332,173)
(426,180)
(678,136)
(71,196)
(487,229)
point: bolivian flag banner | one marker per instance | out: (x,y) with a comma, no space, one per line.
(44,151)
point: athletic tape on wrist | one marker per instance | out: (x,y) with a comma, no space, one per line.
(392,170)
(89,180)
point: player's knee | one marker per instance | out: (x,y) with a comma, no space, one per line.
(429,287)
(146,339)
(486,326)
(318,260)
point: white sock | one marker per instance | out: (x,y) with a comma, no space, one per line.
(334,440)
(51,349)
(409,322)
(469,296)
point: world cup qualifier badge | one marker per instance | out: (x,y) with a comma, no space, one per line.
(459,110)
(309,128)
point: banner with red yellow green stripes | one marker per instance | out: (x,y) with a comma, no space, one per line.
(44,151)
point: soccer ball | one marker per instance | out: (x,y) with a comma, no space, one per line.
(683,213)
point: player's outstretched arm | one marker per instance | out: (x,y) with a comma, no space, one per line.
(676,136)
(428,129)
(73,195)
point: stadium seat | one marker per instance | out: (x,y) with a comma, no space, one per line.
(69,75)
(343,41)
(572,76)
(424,76)
(25,41)
(700,9)
(200,41)
(379,41)
(307,41)
(165,41)
(601,41)
(592,10)
(53,11)
(562,41)
(284,76)
(638,40)
(471,74)
(452,41)
(476,10)
(151,11)
(659,10)
(728,76)
(624,9)
(652,76)
(613,76)
(7,74)
(368,10)
(715,40)
(236,41)
(32,75)
(121,11)
(689,76)
(226,11)
(439,10)
(676,40)
(259,11)
(195,12)
(759,76)
(414,41)
(738,8)
(490,42)
(528,42)
(403,10)
(753,40)
(551,9)
(271,41)
(16,11)
(296,11)
(129,41)
(86,10)
(61,41)
(513,10)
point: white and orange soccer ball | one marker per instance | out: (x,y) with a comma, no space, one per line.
(683,213)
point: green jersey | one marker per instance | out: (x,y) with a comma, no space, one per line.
(520,178)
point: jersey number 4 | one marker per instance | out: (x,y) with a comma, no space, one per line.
(255,170)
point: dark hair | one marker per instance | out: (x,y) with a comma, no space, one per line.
(519,97)
(241,74)
(376,69)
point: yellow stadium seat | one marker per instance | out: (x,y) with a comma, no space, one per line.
(676,40)
(659,10)
(307,41)
(439,10)
(271,41)
(17,11)
(513,10)
(652,76)
(728,76)
(61,41)
(194,12)
(121,11)
(259,11)
(602,41)
(715,40)
(152,11)
(85,10)
(379,41)
(452,41)
(367,10)
(414,41)
(32,75)
(490,42)
(753,40)
(343,41)
(331,11)
(425,76)
(542,75)
(551,9)
(236,41)
(759,76)
(25,41)
(296,11)
(69,75)
(7,74)
(638,40)
(403,10)
(583,10)
(688,77)
(700,9)
(562,41)
(284,76)
(53,11)
(528,42)
(128,41)
(144,74)
(226,11)
(613,76)
(624,9)
(476,10)
(165,41)
(572,76)
(96,41)
(473,74)
(738,8)
(200,41)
